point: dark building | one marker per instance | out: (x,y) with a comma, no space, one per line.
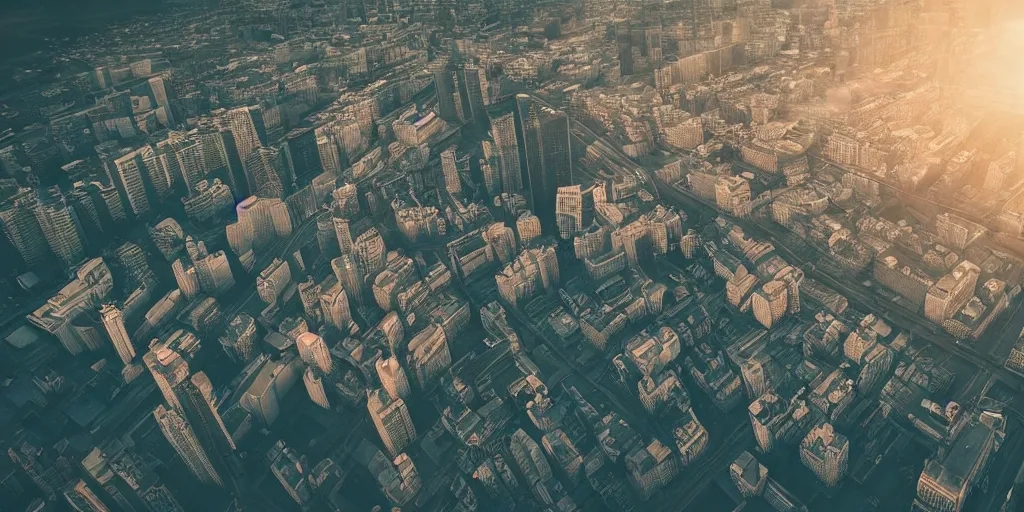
(544,136)
(303,153)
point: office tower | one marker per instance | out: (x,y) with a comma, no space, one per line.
(951,292)
(60,227)
(269,171)
(346,201)
(246,137)
(490,168)
(429,355)
(651,467)
(200,409)
(393,378)
(113,322)
(273,280)
(452,168)
(391,417)
(826,452)
(770,303)
(112,200)
(473,89)
(303,152)
(128,177)
(168,237)
(545,135)
(776,421)
(350,275)
(528,227)
(449,101)
(327,148)
(949,477)
(186,278)
(184,441)
(57,316)
(748,475)
(315,387)
(507,147)
(313,351)
(370,252)
(239,339)
(624,38)
(166,362)
(334,304)
(83,499)
(532,463)
(263,398)
(22,227)
(574,210)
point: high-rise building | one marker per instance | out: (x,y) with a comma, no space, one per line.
(391,417)
(532,271)
(770,303)
(181,436)
(748,475)
(624,38)
(199,409)
(474,90)
(532,464)
(528,227)
(826,452)
(948,478)
(21,226)
(507,145)
(127,175)
(186,278)
(269,170)
(239,339)
(370,252)
(392,377)
(273,280)
(313,350)
(574,210)
(334,303)
(951,292)
(92,285)
(429,355)
(651,467)
(545,135)
(315,387)
(350,276)
(83,499)
(166,360)
(776,421)
(113,322)
(303,152)
(60,227)
(453,167)
(246,135)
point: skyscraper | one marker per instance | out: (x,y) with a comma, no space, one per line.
(429,355)
(545,137)
(393,378)
(127,176)
(22,227)
(315,387)
(473,87)
(350,276)
(268,171)
(184,440)
(391,417)
(313,350)
(574,210)
(60,227)
(507,145)
(113,322)
(303,152)
(826,453)
(246,137)
(164,360)
(200,410)
(452,167)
